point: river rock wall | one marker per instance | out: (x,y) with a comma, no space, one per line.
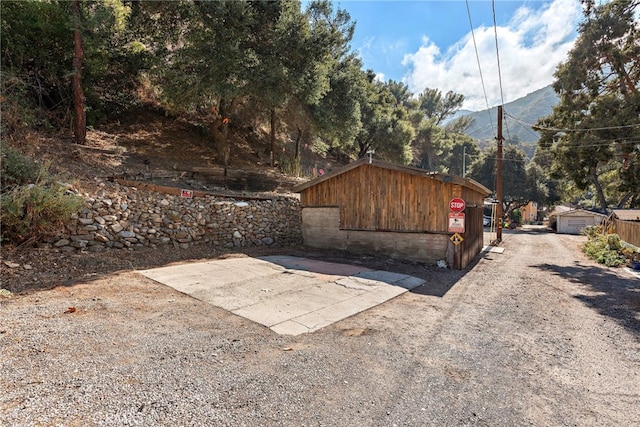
(120,216)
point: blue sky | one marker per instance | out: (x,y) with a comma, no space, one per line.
(429,43)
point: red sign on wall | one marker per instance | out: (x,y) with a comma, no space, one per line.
(457,204)
(456,222)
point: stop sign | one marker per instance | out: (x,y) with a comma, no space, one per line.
(456,204)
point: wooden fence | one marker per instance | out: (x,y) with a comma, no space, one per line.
(629,231)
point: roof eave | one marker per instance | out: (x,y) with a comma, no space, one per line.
(466,182)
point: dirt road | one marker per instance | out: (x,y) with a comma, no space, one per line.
(538,335)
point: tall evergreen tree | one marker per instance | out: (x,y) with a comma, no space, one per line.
(597,121)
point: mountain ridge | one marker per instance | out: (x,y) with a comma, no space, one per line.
(519,115)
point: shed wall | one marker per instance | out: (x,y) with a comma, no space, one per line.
(574,224)
(374,198)
(392,212)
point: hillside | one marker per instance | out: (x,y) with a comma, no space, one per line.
(526,110)
(151,147)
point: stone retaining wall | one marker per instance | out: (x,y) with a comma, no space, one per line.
(119,216)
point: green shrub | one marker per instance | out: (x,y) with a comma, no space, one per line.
(592,231)
(33,205)
(290,166)
(33,212)
(16,169)
(604,249)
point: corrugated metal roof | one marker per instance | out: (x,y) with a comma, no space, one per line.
(465,182)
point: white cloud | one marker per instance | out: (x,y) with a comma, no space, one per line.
(530,47)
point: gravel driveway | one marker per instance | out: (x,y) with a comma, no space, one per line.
(538,335)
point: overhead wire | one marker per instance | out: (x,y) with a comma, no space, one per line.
(475,47)
(495,32)
(570,129)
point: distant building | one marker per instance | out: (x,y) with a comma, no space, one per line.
(529,213)
(575,220)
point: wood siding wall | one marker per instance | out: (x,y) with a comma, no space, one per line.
(371,198)
(629,231)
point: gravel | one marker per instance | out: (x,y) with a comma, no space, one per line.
(538,335)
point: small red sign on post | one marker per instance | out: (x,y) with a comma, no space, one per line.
(457,204)
(456,222)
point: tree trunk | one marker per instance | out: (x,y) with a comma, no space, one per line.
(297,155)
(80,128)
(220,132)
(220,129)
(624,200)
(599,191)
(273,137)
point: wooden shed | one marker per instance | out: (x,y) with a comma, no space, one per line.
(401,212)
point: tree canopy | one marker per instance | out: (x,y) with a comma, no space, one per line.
(595,128)
(232,65)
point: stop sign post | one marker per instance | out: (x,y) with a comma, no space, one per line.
(457,205)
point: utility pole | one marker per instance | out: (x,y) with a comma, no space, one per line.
(499,178)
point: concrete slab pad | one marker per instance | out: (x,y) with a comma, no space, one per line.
(290,295)
(493,249)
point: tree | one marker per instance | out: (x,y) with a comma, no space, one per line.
(430,110)
(316,43)
(266,53)
(56,53)
(517,190)
(386,129)
(463,148)
(596,125)
(37,54)
(338,115)
(548,188)
(80,125)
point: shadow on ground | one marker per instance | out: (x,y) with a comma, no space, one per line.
(50,269)
(611,295)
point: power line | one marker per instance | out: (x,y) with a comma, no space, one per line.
(475,47)
(495,31)
(570,130)
(526,126)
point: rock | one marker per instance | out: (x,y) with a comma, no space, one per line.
(61,242)
(80,244)
(101,238)
(11,264)
(118,217)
